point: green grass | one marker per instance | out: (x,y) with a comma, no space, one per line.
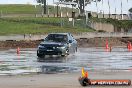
(35,26)
(48,21)
(19,9)
(30,9)
(22,25)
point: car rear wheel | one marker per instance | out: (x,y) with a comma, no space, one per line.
(67,51)
(76,49)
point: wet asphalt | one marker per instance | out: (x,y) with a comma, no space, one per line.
(94,59)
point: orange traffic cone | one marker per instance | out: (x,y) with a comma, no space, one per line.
(107,46)
(129,46)
(18,50)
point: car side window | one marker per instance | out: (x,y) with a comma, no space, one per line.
(72,37)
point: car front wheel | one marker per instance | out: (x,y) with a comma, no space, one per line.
(76,49)
(40,56)
(63,55)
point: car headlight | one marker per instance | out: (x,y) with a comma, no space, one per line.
(63,47)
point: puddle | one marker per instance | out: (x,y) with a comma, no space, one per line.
(90,58)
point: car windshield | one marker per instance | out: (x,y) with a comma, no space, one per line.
(56,38)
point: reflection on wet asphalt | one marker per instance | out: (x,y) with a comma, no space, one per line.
(90,58)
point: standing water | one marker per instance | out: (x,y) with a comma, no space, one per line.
(26,62)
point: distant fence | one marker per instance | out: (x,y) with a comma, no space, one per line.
(106,34)
(113,16)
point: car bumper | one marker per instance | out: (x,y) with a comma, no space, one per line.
(51,52)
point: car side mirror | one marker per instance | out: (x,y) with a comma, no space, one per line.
(70,41)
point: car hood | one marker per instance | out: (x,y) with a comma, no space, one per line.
(52,43)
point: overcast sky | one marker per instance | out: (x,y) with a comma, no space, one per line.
(113,4)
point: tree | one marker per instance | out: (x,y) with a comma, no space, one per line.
(130,10)
(44,4)
(130,15)
(81,3)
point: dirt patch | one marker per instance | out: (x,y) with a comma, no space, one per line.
(21,44)
(83,42)
(100,42)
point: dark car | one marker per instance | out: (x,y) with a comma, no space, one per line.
(57,44)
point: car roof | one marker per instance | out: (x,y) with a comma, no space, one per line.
(61,33)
